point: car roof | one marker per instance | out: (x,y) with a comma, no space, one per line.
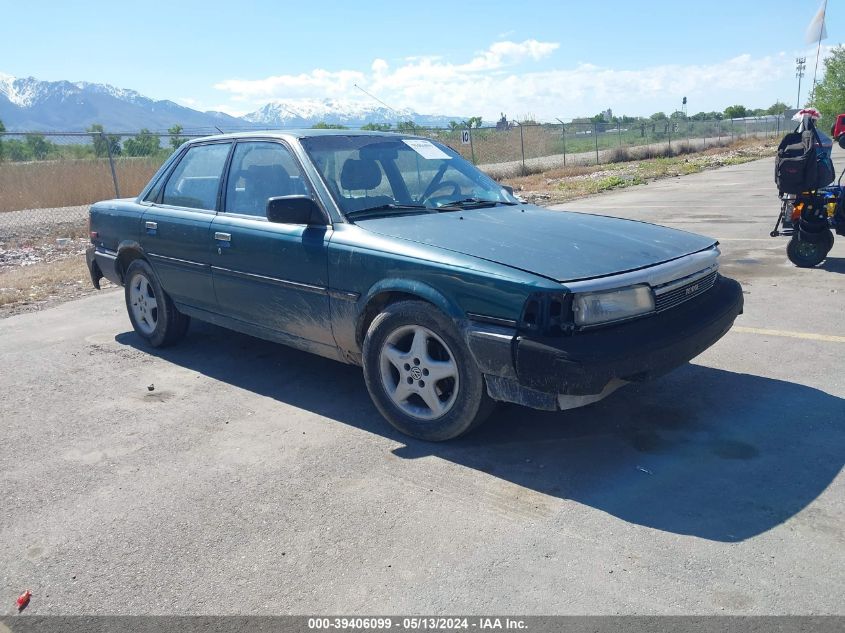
(299,134)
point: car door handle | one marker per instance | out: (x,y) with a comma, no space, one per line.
(151,225)
(223,237)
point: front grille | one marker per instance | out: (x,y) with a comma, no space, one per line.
(676,296)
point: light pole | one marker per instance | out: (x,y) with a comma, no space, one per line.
(800,66)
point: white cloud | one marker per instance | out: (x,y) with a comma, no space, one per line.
(379,66)
(318,81)
(510,53)
(507,77)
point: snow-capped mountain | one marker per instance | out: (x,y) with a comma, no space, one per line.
(307,112)
(289,113)
(29,104)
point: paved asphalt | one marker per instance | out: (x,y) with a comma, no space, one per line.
(256,479)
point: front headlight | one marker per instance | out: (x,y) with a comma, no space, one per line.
(592,308)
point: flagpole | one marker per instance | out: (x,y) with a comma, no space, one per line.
(818,50)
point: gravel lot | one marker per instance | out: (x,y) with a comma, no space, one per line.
(256,479)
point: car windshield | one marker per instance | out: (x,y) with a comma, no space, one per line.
(372,175)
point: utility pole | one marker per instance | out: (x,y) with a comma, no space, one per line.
(800,67)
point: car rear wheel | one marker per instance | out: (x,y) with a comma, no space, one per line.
(151,311)
(421,375)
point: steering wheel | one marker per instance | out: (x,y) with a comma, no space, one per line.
(455,193)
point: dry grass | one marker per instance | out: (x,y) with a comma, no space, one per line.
(568,183)
(26,288)
(64,183)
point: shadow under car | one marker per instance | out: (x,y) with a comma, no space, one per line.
(703,452)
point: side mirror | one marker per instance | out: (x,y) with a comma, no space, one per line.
(842,141)
(294,210)
(508,188)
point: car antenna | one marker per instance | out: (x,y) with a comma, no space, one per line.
(399,116)
(219,130)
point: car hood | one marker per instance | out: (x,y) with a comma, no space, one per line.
(559,245)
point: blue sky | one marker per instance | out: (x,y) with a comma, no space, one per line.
(458,58)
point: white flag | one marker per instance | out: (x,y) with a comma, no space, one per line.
(816,31)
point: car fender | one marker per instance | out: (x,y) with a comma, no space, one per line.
(350,338)
(127,250)
(419,289)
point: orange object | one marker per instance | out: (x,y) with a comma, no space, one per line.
(23,600)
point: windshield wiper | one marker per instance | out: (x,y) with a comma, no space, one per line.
(390,206)
(469,203)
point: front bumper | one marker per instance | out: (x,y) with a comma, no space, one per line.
(586,362)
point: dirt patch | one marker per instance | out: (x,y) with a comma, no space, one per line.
(42,280)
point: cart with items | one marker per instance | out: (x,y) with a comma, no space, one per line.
(812,208)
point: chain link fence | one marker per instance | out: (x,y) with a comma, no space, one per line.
(48,179)
(534,147)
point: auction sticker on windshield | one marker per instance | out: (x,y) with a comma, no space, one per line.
(426,149)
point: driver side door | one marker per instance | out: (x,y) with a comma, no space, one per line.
(270,275)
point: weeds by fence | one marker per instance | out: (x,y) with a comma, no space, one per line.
(48,178)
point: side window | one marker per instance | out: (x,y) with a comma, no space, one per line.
(261,170)
(195,180)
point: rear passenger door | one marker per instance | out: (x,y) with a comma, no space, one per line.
(175,229)
(268,274)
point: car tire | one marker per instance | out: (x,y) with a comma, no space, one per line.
(152,312)
(808,254)
(421,375)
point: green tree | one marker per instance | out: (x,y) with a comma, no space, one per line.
(677,115)
(658,116)
(455,125)
(17,150)
(103,143)
(474,121)
(376,127)
(736,112)
(777,107)
(175,139)
(38,146)
(322,125)
(406,126)
(145,143)
(830,91)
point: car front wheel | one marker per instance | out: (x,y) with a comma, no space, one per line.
(151,311)
(421,375)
